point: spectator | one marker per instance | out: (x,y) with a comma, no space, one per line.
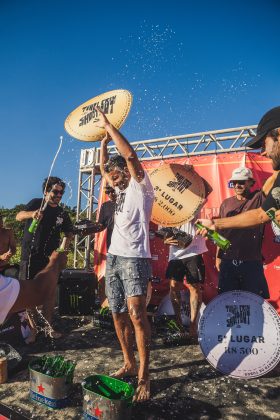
(7,249)
(241,267)
(38,246)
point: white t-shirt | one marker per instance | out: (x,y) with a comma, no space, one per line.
(133,211)
(196,247)
(9,290)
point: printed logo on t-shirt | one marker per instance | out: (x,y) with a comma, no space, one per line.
(276,195)
(276,231)
(59,221)
(120,202)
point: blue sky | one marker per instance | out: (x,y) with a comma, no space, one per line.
(190,67)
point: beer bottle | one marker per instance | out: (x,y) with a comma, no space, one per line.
(35,222)
(69,372)
(56,361)
(61,369)
(62,245)
(271,215)
(215,237)
(108,392)
(47,363)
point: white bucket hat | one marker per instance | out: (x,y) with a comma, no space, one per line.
(241,174)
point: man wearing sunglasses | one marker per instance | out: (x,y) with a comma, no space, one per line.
(240,267)
(268,140)
(38,246)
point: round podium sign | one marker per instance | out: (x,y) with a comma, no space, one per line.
(81,123)
(179,194)
(239,334)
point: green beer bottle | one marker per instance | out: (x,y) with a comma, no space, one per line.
(33,227)
(215,237)
(271,215)
(56,361)
(35,222)
(61,369)
(47,363)
(62,245)
(69,371)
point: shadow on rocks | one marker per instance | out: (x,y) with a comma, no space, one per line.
(175,408)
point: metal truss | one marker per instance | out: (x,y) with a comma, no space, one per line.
(207,142)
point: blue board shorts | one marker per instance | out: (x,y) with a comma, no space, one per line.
(125,277)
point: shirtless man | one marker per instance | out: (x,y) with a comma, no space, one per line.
(17,295)
(7,246)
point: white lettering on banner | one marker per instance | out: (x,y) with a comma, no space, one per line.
(239,334)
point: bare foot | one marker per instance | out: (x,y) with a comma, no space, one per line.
(124,371)
(32,337)
(142,392)
(54,334)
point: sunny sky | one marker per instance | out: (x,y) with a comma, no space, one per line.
(191,66)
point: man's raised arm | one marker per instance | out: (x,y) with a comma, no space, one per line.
(123,146)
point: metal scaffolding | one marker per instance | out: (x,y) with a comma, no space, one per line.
(208,142)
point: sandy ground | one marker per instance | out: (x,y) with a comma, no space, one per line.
(183,384)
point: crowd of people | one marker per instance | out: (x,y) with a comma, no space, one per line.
(126,216)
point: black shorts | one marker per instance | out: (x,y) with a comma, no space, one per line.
(29,269)
(192,267)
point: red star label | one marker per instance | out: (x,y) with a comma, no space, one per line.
(97,412)
(41,389)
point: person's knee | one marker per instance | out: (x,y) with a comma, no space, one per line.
(137,313)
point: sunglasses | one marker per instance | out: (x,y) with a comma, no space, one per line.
(109,191)
(57,192)
(239,182)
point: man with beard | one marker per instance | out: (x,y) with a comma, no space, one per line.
(38,246)
(268,139)
(240,267)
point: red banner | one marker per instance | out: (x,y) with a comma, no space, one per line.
(216,170)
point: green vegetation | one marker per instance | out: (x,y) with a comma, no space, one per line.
(9,218)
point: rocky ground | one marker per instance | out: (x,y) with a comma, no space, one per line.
(183,384)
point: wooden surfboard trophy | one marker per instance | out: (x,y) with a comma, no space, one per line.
(80,123)
(179,194)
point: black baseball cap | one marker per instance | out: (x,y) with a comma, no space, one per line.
(269,121)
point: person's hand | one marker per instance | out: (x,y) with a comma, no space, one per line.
(218,263)
(208,223)
(37,214)
(277,216)
(106,139)
(102,119)
(6,256)
(171,241)
(59,259)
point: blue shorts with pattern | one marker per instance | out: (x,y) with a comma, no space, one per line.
(125,277)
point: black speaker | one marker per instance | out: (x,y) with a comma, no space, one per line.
(76,292)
